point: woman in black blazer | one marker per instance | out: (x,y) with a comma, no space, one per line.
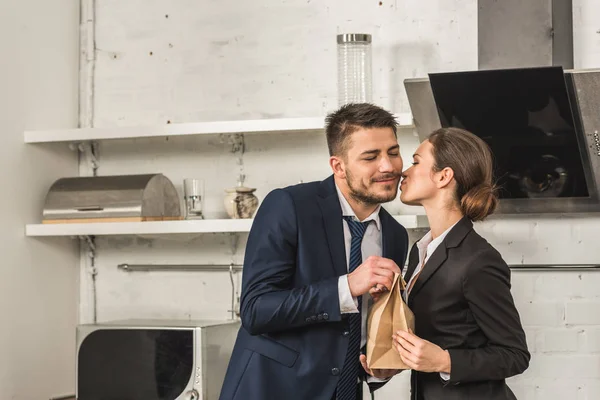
(468,335)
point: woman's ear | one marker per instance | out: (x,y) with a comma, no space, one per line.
(444,177)
(338,167)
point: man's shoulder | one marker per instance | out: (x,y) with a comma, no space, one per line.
(302,196)
(304,189)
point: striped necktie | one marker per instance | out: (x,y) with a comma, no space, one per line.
(347,385)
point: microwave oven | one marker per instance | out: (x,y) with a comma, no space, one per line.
(153,359)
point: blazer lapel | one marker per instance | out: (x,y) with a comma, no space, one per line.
(334,229)
(413,261)
(433,264)
(453,239)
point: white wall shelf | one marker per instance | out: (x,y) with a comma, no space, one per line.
(169,227)
(195,128)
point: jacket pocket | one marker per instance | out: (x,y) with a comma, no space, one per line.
(273,350)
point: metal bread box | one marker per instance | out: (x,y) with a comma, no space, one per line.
(122,198)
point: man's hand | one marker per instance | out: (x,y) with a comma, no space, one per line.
(421,355)
(374,271)
(377,373)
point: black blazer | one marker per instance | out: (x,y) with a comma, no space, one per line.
(462,303)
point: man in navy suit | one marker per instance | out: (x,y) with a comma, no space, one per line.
(313,251)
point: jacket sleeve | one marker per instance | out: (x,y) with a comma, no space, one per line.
(269,300)
(487,290)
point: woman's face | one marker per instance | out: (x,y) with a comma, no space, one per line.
(418,181)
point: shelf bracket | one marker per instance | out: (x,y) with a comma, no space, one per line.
(89,150)
(235,140)
(234,241)
(90,242)
(235,305)
(238,148)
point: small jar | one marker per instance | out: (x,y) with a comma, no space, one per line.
(240,202)
(354,68)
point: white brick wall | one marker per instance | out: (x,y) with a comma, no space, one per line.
(582,313)
(553,389)
(585,34)
(232,60)
(589,339)
(562,340)
(590,389)
(542,313)
(559,311)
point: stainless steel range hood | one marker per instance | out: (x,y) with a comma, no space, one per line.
(583,91)
(543,30)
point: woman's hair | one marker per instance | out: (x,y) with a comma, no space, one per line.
(471,160)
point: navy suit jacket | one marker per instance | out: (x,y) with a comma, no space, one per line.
(291,344)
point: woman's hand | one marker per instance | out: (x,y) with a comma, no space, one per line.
(377,291)
(421,355)
(377,373)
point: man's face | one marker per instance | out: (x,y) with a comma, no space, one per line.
(372,166)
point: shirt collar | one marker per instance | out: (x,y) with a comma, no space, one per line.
(424,241)
(427,239)
(347,210)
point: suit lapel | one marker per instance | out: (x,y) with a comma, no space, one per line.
(433,264)
(413,261)
(334,229)
(388,247)
(452,239)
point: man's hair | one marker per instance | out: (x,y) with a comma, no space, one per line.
(340,124)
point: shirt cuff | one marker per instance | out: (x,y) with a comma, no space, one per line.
(348,304)
(445,376)
(372,379)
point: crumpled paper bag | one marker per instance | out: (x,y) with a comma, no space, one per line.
(388,315)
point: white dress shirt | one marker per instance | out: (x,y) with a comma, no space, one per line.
(426,246)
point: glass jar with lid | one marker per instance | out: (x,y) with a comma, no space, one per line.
(354,68)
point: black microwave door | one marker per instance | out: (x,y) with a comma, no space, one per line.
(134,364)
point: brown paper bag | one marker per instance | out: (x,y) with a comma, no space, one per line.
(388,315)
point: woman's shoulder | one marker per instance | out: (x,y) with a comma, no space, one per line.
(478,256)
(475,246)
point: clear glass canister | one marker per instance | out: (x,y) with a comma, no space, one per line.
(354,68)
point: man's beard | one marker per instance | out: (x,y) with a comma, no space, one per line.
(363,195)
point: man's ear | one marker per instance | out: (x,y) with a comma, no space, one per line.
(444,177)
(338,166)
